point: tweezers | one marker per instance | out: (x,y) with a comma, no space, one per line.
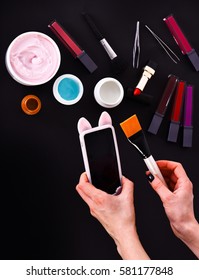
(164,46)
(136,47)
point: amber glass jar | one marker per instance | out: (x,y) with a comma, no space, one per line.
(31,104)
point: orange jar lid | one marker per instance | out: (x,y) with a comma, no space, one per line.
(31,104)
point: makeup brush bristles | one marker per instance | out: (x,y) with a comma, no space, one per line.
(131,126)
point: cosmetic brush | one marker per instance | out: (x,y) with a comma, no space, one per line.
(117,64)
(135,135)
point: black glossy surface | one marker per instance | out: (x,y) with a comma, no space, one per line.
(42,216)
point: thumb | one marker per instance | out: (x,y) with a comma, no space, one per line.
(127,186)
(159,187)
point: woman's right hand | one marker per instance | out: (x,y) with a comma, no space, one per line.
(177,198)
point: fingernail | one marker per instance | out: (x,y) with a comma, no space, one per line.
(150,177)
(118,190)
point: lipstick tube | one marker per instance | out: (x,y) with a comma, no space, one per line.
(149,71)
(176,112)
(72,46)
(188,117)
(182,41)
(164,102)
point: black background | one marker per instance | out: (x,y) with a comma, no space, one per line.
(42,216)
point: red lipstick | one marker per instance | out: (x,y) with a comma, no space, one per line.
(149,71)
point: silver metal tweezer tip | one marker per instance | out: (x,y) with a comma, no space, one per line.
(164,45)
(136,47)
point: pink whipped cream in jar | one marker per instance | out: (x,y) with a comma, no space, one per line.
(33,58)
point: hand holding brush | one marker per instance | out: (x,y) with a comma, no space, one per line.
(135,135)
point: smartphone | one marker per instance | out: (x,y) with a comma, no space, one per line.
(101,157)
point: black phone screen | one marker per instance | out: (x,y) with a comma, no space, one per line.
(102,160)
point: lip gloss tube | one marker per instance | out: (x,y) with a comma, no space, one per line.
(164,102)
(72,46)
(176,112)
(188,117)
(182,41)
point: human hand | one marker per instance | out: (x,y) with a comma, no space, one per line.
(116,213)
(177,198)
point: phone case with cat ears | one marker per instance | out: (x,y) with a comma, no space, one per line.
(83,124)
(104,119)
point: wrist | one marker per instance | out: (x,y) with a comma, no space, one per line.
(191,232)
(129,246)
(192,238)
(185,230)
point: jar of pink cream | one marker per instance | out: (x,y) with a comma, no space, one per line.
(32,58)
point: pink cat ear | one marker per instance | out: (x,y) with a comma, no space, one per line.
(83,124)
(105,118)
